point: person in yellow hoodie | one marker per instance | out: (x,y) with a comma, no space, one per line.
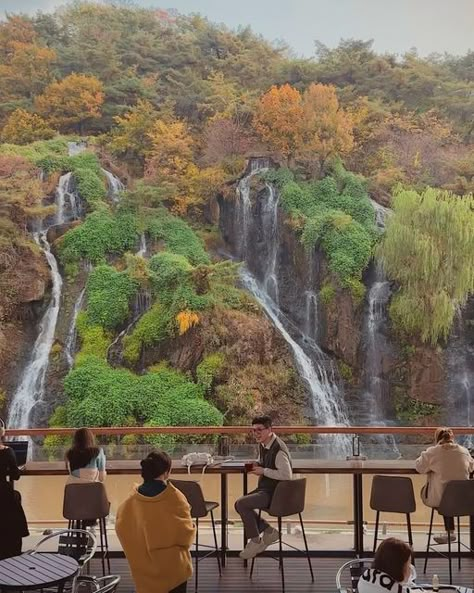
(155,529)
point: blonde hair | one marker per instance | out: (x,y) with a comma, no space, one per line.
(2,428)
(444,435)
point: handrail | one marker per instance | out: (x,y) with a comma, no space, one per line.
(220,430)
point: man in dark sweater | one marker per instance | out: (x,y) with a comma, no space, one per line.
(274,464)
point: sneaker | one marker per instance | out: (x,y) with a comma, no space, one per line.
(444,538)
(252,549)
(270,537)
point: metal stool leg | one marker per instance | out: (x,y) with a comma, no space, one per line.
(281,556)
(377,516)
(449,557)
(410,537)
(215,543)
(459,544)
(102,557)
(306,548)
(197,557)
(429,540)
(106,540)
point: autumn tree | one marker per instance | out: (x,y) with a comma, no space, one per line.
(130,138)
(326,129)
(278,119)
(23,127)
(70,103)
(170,164)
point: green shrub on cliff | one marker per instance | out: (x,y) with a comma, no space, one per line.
(208,369)
(99,395)
(428,250)
(108,296)
(101,234)
(177,236)
(337,217)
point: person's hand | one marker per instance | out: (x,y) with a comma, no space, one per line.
(257,471)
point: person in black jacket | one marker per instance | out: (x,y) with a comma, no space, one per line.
(13,525)
(274,464)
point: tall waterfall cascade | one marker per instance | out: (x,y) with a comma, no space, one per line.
(327,401)
(31,387)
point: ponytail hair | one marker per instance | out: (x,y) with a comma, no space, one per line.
(155,465)
(444,435)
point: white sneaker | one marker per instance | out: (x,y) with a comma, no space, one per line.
(270,537)
(252,549)
(444,538)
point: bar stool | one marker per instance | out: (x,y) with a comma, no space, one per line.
(288,499)
(88,502)
(392,494)
(457,501)
(200,508)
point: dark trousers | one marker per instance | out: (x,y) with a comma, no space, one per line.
(448,523)
(10,546)
(180,589)
(246,505)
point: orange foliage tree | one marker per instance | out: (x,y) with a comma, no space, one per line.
(326,128)
(23,127)
(308,128)
(278,120)
(71,102)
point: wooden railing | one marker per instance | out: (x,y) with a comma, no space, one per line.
(230,430)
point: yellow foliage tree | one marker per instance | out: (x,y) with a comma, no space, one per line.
(186,320)
(23,127)
(326,129)
(71,102)
(171,149)
(130,138)
(278,119)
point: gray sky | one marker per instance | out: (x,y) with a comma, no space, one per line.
(395,25)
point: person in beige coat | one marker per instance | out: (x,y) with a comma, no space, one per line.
(443,462)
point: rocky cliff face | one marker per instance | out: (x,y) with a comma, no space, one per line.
(24,285)
(416,382)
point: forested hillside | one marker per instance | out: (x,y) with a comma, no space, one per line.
(124,134)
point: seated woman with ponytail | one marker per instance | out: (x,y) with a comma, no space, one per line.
(155,529)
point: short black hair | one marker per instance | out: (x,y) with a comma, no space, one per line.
(265,420)
(155,464)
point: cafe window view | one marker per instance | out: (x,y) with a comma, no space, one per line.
(236,296)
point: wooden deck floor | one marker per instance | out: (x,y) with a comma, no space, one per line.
(266,578)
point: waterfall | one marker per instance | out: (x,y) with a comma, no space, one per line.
(115,186)
(70,346)
(31,388)
(75,148)
(311,314)
(325,395)
(270,218)
(142,251)
(68,203)
(326,399)
(381,214)
(244,212)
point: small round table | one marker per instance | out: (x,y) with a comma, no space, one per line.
(36,571)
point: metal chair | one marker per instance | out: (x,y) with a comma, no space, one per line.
(88,502)
(457,501)
(392,494)
(77,543)
(288,499)
(354,570)
(200,508)
(107,584)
